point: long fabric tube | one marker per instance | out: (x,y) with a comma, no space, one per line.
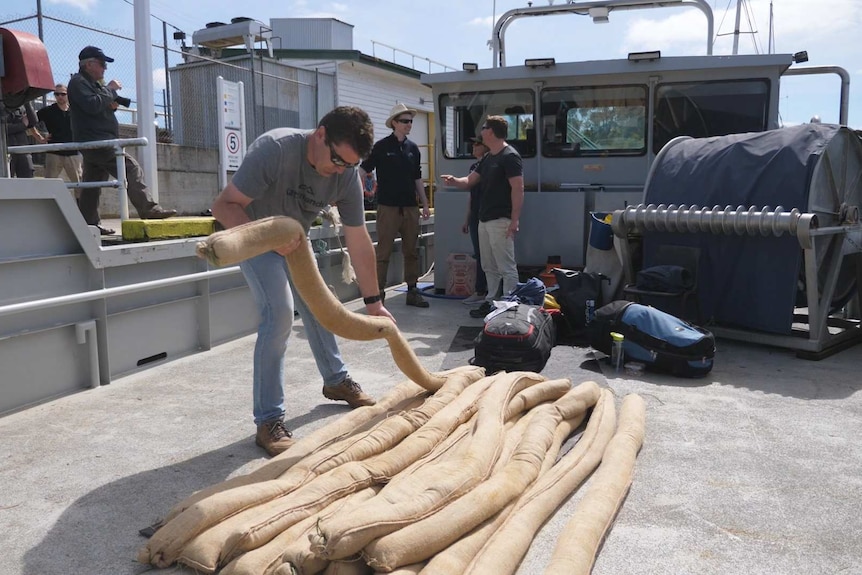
(236,244)
(579,542)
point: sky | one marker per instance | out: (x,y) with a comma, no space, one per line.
(451,32)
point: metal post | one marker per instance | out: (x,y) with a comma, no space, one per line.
(121,182)
(168,123)
(146,107)
(736,27)
(4,165)
(167,116)
(41,36)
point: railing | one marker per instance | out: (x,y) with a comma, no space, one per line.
(413,56)
(119,151)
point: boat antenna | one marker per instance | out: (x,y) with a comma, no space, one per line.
(771,47)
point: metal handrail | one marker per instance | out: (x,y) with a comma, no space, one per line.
(844,98)
(113,291)
(117,145)
(375,43)
(498,44)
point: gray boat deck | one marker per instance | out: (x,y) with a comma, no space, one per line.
(754,469)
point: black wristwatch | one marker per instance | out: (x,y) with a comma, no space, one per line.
(371,299)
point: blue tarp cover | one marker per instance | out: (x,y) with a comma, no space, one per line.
(744,281)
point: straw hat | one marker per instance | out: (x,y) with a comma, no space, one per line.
(396,111)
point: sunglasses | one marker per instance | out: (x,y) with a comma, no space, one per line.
(59,93)
(486,127)
(405,120)
(338,160)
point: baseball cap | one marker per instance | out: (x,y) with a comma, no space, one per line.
(93,52)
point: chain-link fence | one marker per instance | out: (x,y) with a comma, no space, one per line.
(276,95)
(186,102)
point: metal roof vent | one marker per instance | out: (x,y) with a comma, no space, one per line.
(218,35)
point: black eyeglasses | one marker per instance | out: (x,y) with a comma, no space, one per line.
(404,120)
(59,93)
(338,160)
(486,127)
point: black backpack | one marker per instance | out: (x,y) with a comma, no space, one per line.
(579,295)
(661,341)
(518,339)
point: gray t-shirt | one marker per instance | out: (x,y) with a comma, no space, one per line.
(277,176)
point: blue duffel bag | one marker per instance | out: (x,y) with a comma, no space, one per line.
(661,341)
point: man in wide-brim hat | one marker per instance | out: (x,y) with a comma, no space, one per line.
(398,111)
(396,162)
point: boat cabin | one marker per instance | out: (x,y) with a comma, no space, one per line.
(588,133)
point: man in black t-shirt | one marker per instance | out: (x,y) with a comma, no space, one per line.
(395,160)
(471,226)
(58,123)
(501,179)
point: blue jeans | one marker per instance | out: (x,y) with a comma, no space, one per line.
(269,279)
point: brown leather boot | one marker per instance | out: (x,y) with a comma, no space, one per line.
(415,298)
(274,437)
(349,391)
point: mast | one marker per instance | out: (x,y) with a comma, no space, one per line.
(736,28)
(770,49)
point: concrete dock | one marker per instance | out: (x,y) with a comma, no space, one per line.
(755,469)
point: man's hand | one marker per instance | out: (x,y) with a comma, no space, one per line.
(377,308)
(465,229)
(115,85)
(426,213)
(289,248)
(512,229)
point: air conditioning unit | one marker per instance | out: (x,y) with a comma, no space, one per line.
(241,31)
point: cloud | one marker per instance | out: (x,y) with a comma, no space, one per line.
(681,34)
(343,8)
(322,15)
(84,5)
(481,22)
(159,80)
(813,19)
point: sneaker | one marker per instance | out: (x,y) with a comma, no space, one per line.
(415,298)
(274,437)
(482,310)
(349,391)
(474,299)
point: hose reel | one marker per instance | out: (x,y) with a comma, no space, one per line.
(786,276)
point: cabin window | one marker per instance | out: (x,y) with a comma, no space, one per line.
(594,121)
(702,109)
(462,115)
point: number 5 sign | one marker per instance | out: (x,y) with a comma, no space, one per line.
(231,121)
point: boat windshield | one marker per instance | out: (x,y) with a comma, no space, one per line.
(462,115)
(714,108)
(594,120)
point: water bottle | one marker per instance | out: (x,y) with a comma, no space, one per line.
(617,353)
(590,311)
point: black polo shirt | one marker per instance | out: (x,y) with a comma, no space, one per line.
(398,168)
(59,125)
